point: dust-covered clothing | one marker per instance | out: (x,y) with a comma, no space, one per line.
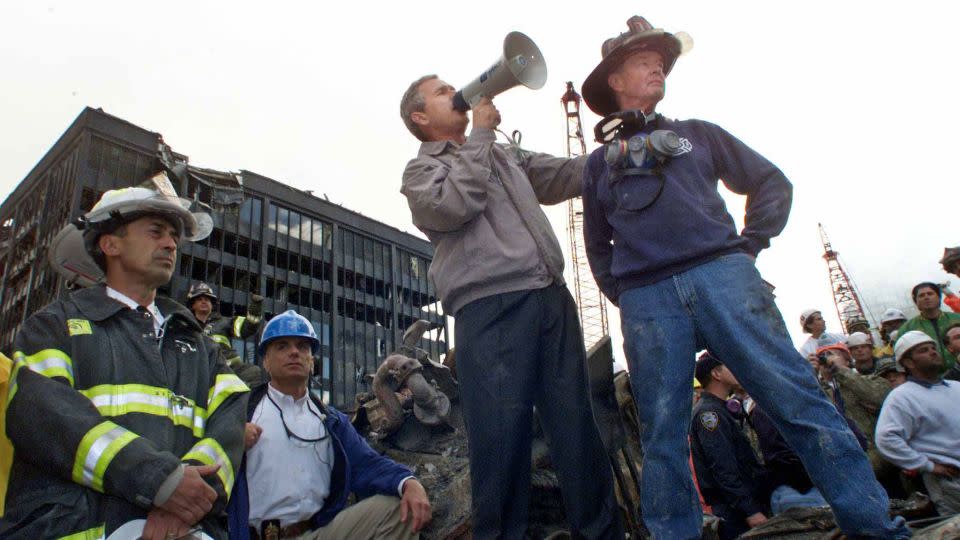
(664,248)
(863,396)
(222,329)
(944,492)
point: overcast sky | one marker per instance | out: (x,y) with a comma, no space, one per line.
(855,101)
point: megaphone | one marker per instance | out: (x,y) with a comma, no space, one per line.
(520,63)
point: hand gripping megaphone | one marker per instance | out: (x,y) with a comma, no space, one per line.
(520,63)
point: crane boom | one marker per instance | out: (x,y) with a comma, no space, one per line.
(845,297)
(590,301)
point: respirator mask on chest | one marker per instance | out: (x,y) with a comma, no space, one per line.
(629,152)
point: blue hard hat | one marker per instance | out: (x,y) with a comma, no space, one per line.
(288,324)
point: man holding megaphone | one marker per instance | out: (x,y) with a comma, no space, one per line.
(498,270)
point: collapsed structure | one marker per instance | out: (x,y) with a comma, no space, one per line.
(359,281)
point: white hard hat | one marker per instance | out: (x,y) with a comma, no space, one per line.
(806,315)
(892,314)
(71,251)
(908,341)
(859,338)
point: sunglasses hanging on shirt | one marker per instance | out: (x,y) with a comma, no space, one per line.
(612,125)
(291,434)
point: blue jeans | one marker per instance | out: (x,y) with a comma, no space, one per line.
(785,497)
(724,306)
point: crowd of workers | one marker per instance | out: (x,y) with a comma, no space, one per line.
(123,413)
(897,395)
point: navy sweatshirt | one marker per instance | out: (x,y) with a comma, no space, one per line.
(631,245)
(783,465)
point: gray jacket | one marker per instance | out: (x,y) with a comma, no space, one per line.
(479,204)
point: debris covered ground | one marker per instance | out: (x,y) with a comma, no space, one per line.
(399,419)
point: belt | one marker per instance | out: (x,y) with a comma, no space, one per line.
(270,529)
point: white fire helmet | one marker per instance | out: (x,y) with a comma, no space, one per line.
(859,338)
(72,251)
(125,204)
(908,341)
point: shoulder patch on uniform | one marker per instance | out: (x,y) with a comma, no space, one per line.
(709,420)
(78,327)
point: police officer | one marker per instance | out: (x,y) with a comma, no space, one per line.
(731,479)
(203,303)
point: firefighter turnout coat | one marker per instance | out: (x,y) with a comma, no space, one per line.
(101,412)
(222,329)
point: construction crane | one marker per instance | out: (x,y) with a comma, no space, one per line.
(593,318)
(590,301)
(845,294)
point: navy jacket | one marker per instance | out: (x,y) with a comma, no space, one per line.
(630,245)
(357,468)
(782,463)
(727,469)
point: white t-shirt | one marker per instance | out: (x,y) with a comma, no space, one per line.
(811,345)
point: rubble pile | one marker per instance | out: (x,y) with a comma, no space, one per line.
(414,417)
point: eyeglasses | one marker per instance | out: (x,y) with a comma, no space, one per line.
(290,433)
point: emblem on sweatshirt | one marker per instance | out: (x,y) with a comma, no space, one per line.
(685,146)
(78,327)
(709,420)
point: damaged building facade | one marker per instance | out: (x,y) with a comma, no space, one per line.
(360,281)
